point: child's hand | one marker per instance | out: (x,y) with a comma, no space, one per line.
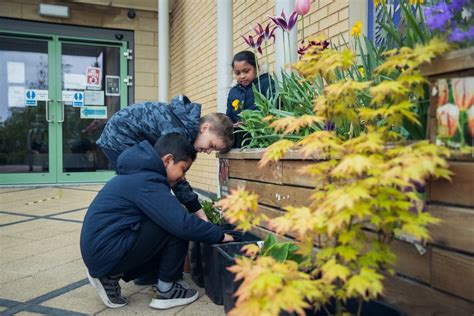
(227,238)
(200,213)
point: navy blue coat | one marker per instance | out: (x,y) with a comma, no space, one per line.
(246,97)
(138,193)
(148,121)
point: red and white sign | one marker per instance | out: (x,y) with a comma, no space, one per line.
(93,78)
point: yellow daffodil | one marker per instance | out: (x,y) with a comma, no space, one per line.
(235,104)
(377,2)
(356,29)
(415,2)
(362,72)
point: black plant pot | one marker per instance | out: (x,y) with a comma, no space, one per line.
(195,261)
(213,263)
(194,252)
(371,308)
(228,253)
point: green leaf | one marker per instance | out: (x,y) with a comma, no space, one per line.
(279,252)
(268,243)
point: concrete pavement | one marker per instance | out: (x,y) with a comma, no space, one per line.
(41,267)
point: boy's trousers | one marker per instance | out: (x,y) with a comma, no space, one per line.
(154,250)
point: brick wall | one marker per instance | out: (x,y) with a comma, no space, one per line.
(193,72)
(193,53)
(144,26)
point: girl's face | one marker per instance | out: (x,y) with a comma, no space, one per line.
(244,72)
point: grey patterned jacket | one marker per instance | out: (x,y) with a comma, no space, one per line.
(148,121)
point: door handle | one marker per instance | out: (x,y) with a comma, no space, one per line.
(47,112)
(61,102)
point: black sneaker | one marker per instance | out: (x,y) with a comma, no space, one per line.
(177,295)
(109,291)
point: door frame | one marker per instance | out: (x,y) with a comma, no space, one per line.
(55,173)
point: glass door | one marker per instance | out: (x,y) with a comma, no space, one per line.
(56,95)
(27,137)
(91,92)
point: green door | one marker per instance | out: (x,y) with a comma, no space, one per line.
(56,94)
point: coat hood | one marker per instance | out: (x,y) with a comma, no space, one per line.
(187,114)
(141,157)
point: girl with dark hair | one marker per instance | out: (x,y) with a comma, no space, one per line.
(241,97)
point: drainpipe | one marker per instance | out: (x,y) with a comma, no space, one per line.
(224,59)
(224,52)
(287,6)
(163,50)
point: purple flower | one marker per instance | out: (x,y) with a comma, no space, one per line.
(319,46)
(329,126)
(265,33)
(255,44)
(470,34)
(457,35)
(438,16)
(283,23)
(457,5)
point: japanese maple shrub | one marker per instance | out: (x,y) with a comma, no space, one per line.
(365,190)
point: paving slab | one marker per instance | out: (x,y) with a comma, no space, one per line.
(28,248)
(78,215)
(41,263)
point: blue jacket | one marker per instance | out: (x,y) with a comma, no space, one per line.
(246,97)
(148,121)
(140,192)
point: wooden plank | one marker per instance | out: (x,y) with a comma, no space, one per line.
(275,195)
(457,60)
(410,262)
(257,154)
(458,192)
(249,169)
(293,177)
(456,229)
(417,299)
(453,272)
(270,212)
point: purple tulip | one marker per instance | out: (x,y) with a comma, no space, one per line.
(265,33)
(252,43)
(283,23)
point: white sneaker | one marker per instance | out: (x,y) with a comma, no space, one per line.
(177,295)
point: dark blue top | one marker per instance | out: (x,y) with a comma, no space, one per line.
(138,193)
(246,97)
(148,121)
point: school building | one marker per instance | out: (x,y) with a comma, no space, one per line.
(67,66)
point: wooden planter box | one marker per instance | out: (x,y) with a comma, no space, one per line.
(438,282)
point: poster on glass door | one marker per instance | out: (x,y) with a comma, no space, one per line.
(94,76)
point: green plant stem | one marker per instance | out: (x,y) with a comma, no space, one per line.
(258,71)
(289,51)
(268,70)
(359,309)
(462,121)
(284,49)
